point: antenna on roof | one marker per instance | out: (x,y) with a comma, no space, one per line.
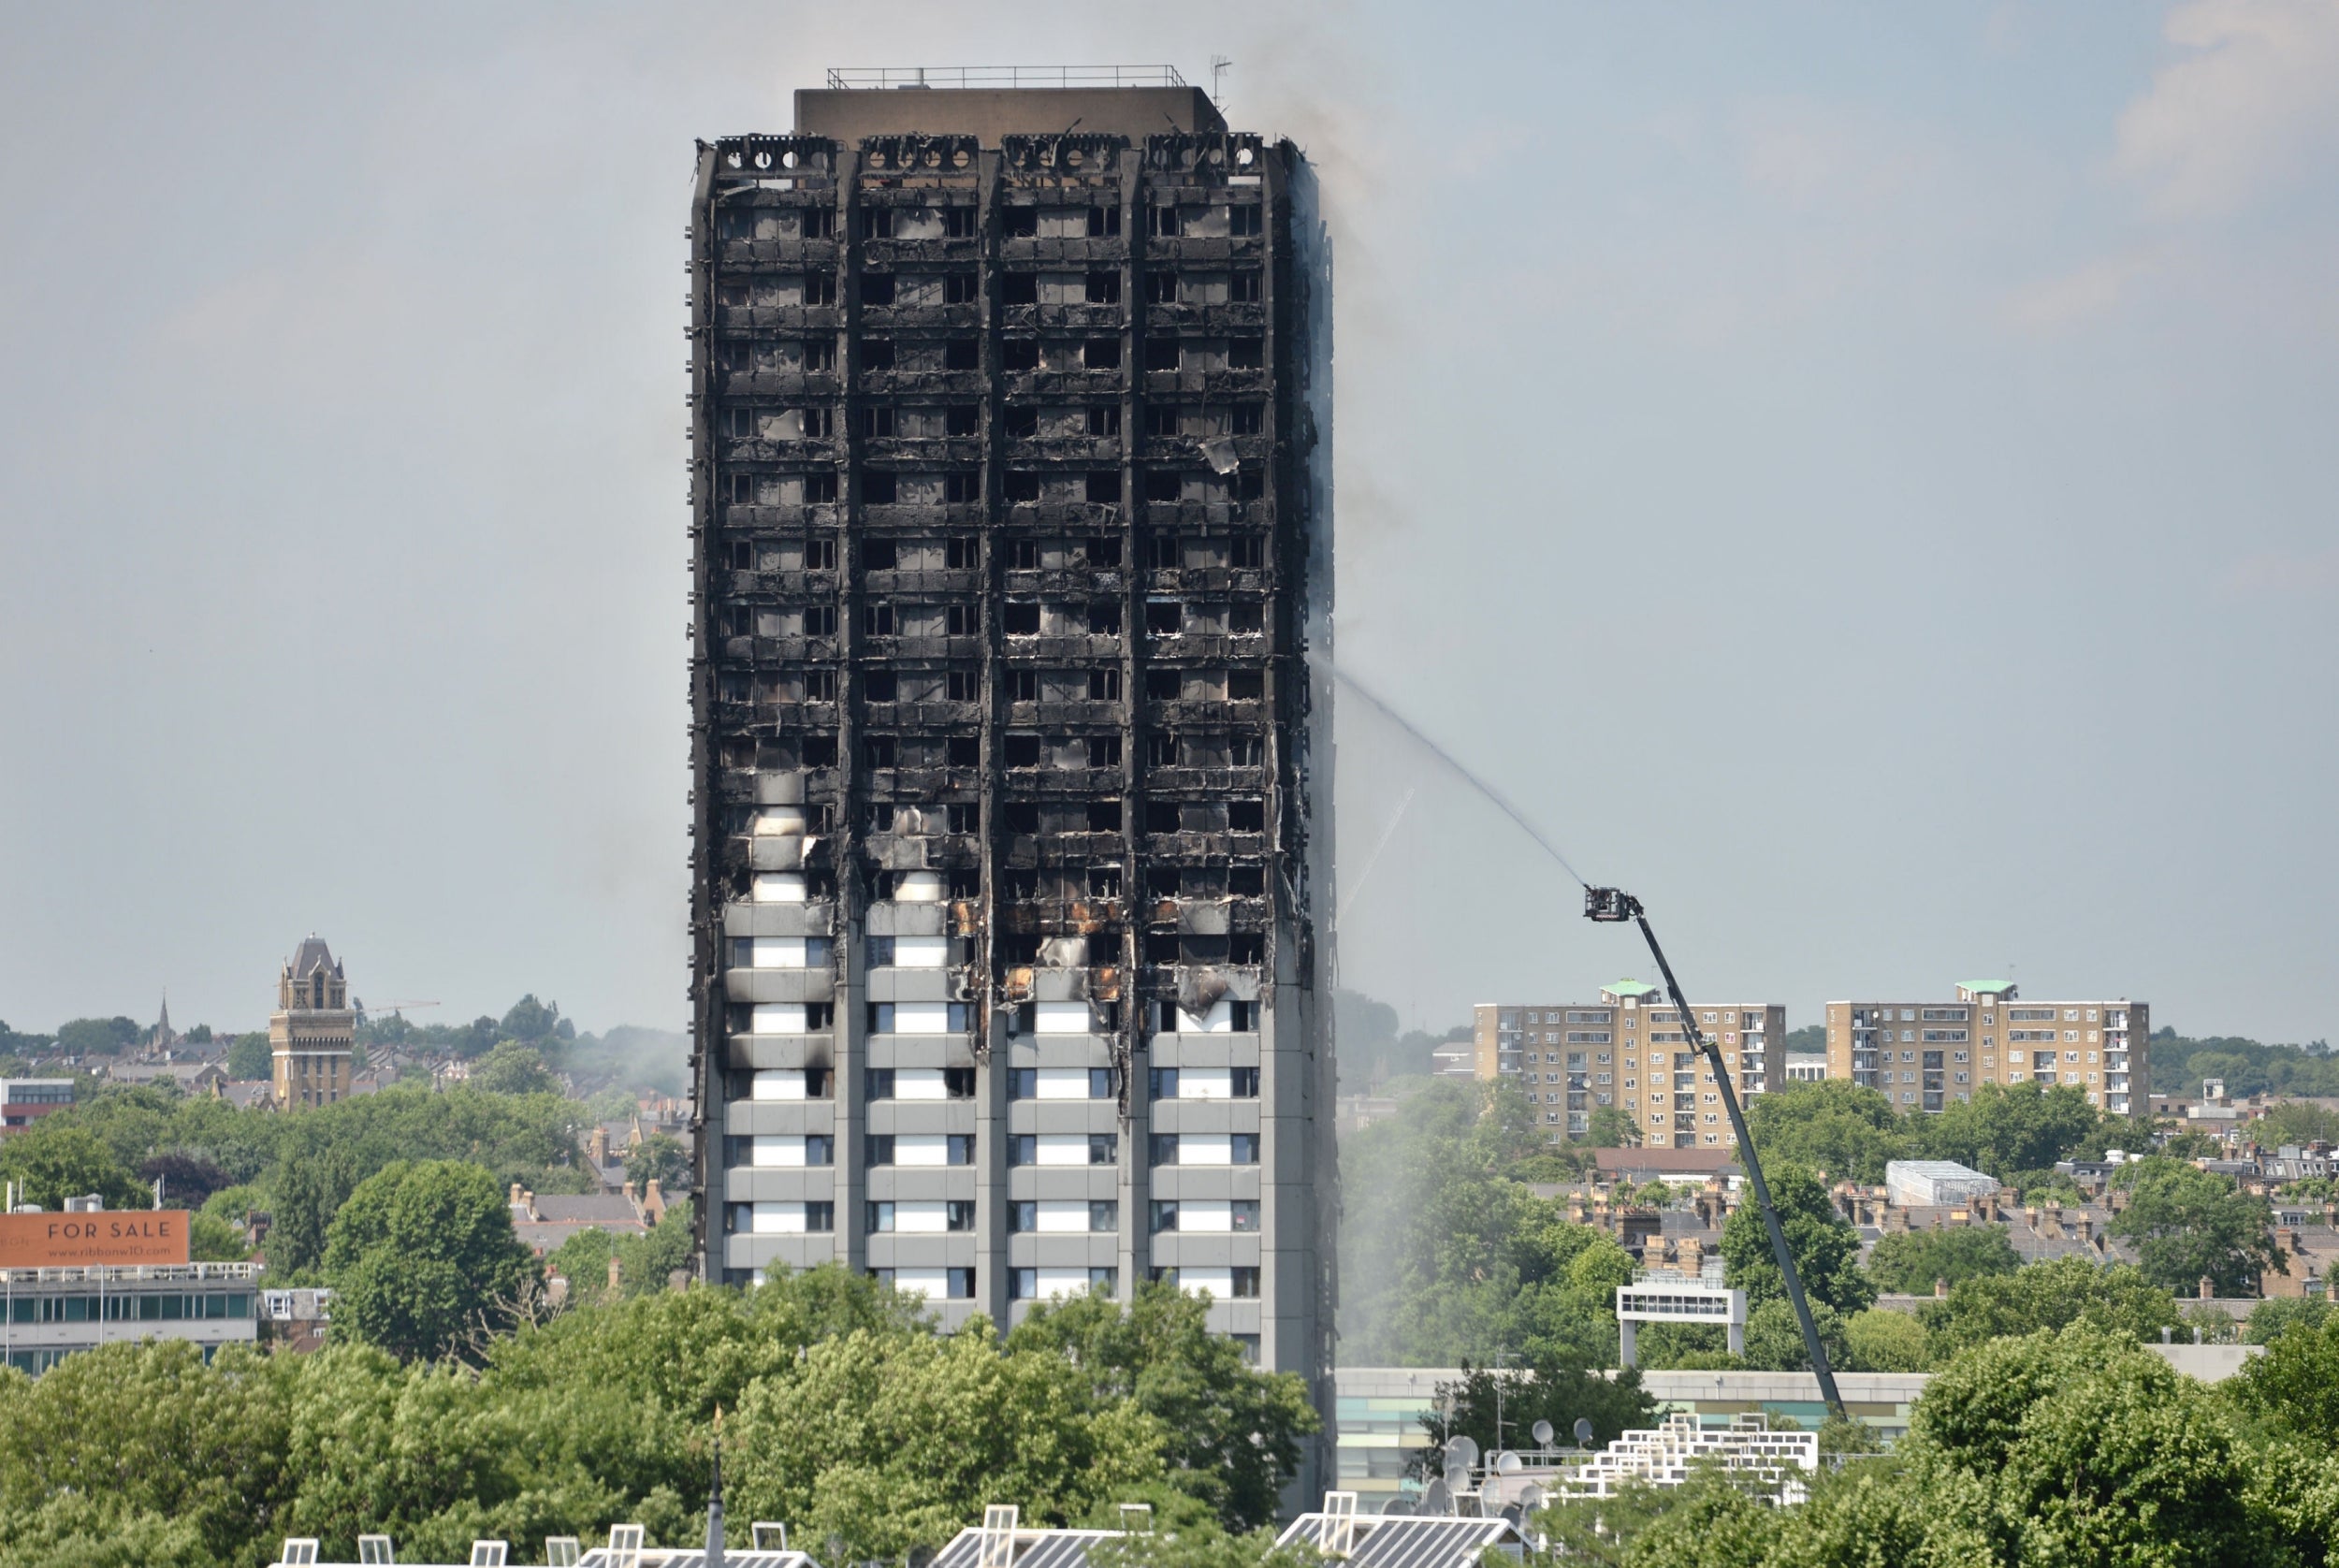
(1219,66)
(715,1501)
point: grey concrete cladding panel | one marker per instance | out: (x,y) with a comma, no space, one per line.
(778,920)
(908,920)
(1060,1050)
(922,1116)
(1206,1116)
(1205,1050)
(1089,1181)
(890,985)
(1095,1250)
(779,985)
(770,1052)
(921,1184)
(779,1117)
(920,1051)
(783,1185)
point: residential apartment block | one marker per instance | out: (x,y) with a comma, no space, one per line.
(1630,1050)
(1012,781)
(1923,1056)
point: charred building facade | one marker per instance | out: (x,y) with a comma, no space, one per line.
(1012,773)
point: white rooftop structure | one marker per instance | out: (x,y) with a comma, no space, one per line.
(1928,1183)
(1675,1296)
(1663,1457)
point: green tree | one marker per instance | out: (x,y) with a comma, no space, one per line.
(1774,1340)
(530,1021)
(1908,1262)
(1612,1129)
(1823,1244)
(211,1239)
(2188,1223)
(1519,1397)
(424,1261)
(97,1037)
(513,1068)
(1230,1434)
(57,1159)
(661,1157)
(2116,1300)
(250,1058)
(2024,1127)
(1879,1340)
(2295,1122)
(1834,1126)
(2270,1319)
(309,1190)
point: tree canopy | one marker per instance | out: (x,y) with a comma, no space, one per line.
(1910,1262)
(2188,1225)
(424,1262)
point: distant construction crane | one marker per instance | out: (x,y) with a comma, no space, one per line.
(360,1008)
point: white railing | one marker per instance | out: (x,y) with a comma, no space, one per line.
(1006,76)
(130,1273)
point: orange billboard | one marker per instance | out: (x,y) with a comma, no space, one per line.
(106,1236)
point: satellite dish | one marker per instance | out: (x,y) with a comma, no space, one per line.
(1508,1464)
(1513,1513)
(1397,1507)
(1438,1501)
(1543,1434)
(1583,1431)
(1457,1478)
(1530,1497)
(1462,1450)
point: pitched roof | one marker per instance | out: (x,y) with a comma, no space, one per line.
(596,1208)
(312,956)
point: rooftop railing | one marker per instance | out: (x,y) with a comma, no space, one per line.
(130,1273)
(1005,76)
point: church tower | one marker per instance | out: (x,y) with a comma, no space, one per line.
(313,1029)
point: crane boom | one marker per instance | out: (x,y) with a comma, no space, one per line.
(1615,905)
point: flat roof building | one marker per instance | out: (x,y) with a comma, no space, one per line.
(89,1276)
(1629,1050)
(26,1100)
(1924,1055)
(1010,745)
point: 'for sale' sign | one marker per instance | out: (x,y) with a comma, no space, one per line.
(80,1240)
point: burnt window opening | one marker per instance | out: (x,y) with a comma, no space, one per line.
(1104,882)
(742,422)
(1161,816)
(1162,552)
(962,489)
(1248,419)
(958,620)
(1246,751)
(1243,221)
(965,751)
(820,289)
(1250,483)
(820,489)
(1161,420)
(877,355)
(877,289)
(1245,686)
(959,686)
(881,821)
(1101,354)
(1244,618)
(733,622)
(1104,419)
(877,751)
(1250,553)
(820,751)
(1104,752)
(1104,816)
(1103,549)
(965,882)
(1023,424)
(961,553)
(960,816)
(1161,751)
(877,620)
(1019,946)
(1104,223)
(962,420)
(879,420)
(962,353)
(1020,354)
(1020,816)
(1104,619)
(1162,686)
(881,555)
(1021,752)
(1023,554)
(1161,354)
(1161,288)
(1020,484)
(1243,288)
(1245,354)
(1104,686)
(819,223)
(819,620)
(1019,288)
(819,354)
(1020,222)
(1246,881)
(876,223)
(1164,617)
(958,222)
(1104,288)
(1162,221)
(1246,816)
(741,555)
(819,686)
(881,686)
(1023,686)
(1162,484)
(820,555)
(878,486)
(1104,487)
(1245,947)
(743,489)
(1020,620)
(958,288)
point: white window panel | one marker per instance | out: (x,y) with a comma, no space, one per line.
(1205,1083)
(779,887)
(1205,1148)
(918,1084)
(780,821)
(921,1219)
(779,1084)
(1219,1020)
(920,1148)
(1063,1084)
(777,1018)
(1060,1018)
(1207,1219)
(1218,1282)
(920,953)
(770,1150)
(923,1282)
(1062,1148)
(774,952)
(921,1018)
(778,1219)
(1065,1216)
(1063,1282)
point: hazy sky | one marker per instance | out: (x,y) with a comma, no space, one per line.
(1860,476)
